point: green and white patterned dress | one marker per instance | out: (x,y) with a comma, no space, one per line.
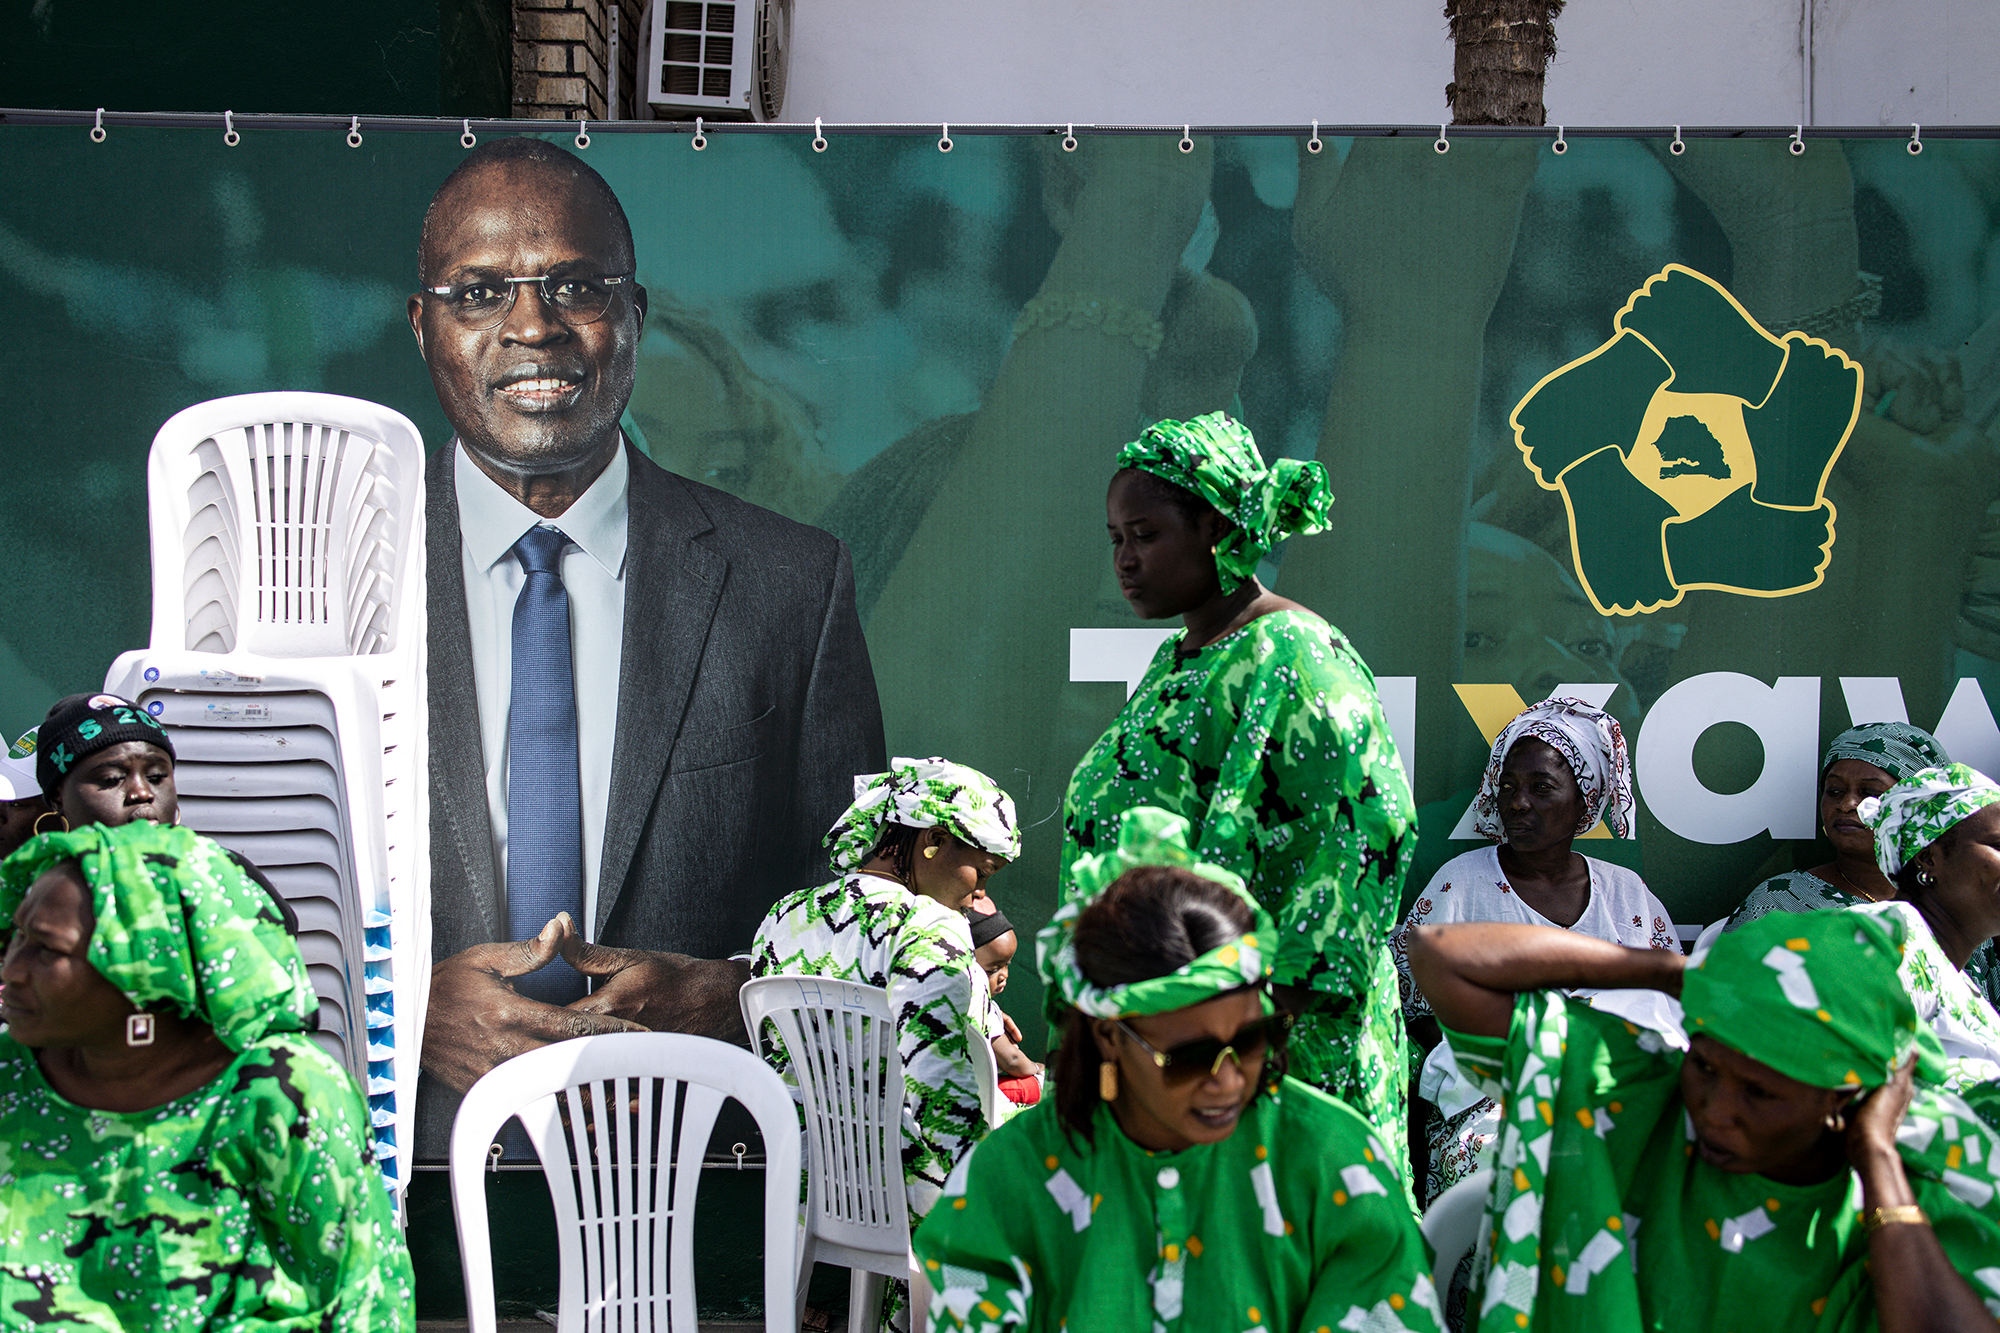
(1803,891)
(1271,743)
(872,930)
(1596,1160)
(250,1203)
(1295,1221)
(1958,1012)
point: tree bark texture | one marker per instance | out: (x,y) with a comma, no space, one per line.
(1502,57)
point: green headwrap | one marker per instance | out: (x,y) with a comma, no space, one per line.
(179,921)
(1897,748)
(1911,815)
(923,793)
(1814,995)
(1217,459)
(1148,837)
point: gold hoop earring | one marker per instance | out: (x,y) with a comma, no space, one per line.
(930,853)
(44,815)
(1107,1081)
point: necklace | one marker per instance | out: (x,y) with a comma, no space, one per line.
(1856,888)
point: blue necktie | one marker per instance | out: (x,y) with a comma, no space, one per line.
(544,805)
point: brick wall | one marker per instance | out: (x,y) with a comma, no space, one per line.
(561,49)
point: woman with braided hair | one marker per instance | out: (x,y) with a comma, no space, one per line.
(1259,724)
(1178,1180)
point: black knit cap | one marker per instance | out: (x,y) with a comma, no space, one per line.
(83,724)
(989,927)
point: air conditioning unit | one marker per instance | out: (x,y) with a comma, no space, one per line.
(722,59)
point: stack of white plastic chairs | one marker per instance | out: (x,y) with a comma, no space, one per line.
(287,664)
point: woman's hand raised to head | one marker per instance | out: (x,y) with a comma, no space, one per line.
(1917,1290)
(1471,971)
(1874,1117)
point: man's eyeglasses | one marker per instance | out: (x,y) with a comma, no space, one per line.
(577,299)
(1203,1057)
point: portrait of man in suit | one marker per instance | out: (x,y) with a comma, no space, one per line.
(648,699)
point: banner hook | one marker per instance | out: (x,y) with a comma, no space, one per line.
(229,134)
(354,133)
(700,140)
(1313,145)
(97,130)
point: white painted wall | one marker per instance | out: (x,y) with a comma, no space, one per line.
(1250,62)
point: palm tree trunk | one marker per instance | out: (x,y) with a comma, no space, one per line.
(1503,50)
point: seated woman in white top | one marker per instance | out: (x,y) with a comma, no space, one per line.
(1556,771)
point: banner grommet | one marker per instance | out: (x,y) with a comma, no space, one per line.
(1443,145)
(97,130)
(229,134)
(819,137)
(1916,144)
(354,133)
(1679,145)
(1313,145)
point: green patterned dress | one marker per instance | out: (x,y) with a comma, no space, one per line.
(1295,1221)
(1587,1092)
(1272,744)
(250,1203)
(872,930)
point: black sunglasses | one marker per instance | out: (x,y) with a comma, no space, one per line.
(1203,1057)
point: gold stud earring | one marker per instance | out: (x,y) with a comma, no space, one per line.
(1107,1081)
(930,853)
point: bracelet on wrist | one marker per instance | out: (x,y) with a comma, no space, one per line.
(1894,1215)
(1081,310)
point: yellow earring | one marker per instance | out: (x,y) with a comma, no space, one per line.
(1107,1081)
(930,853)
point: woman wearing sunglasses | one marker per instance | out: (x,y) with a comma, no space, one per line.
(1177,1180)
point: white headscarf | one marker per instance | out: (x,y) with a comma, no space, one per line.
(1589,741)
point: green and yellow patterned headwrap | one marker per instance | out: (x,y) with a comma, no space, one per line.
(178,921)
(1148,837)
(1914,813)
(1217,459)
(1814,995)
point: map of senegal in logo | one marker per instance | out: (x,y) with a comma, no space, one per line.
(1692,449)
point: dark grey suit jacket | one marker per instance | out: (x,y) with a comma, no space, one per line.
(746,705)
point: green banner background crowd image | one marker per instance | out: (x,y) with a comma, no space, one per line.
(1706,437)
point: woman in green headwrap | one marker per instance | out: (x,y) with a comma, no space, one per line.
(1863,761)
(1756,1178)
(1937,838)
(175,1153)
(1260,725)
(1177,1180)
(917,845)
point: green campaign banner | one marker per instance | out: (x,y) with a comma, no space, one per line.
(1704,437)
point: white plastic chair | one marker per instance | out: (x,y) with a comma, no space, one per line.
(986,1068)
(1451,1224)
(841,1038)
(624,1184)
(287,663)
